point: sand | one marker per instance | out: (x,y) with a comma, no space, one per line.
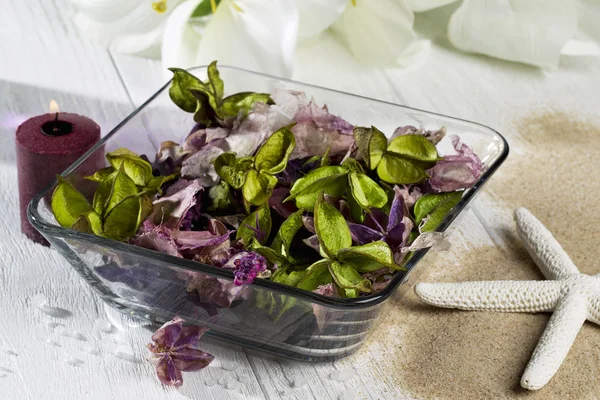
(452,354)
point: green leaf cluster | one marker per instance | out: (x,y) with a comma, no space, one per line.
(336,180)
(431,209)
(255,175)
(342,263)
(121,201)
(402,161)
(205,99)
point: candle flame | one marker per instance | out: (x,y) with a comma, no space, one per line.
(54,107)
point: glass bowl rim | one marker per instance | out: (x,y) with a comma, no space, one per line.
(360,302)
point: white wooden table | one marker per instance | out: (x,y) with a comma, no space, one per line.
(42,58)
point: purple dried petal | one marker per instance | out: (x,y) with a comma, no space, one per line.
(395,236)
(313,141)
(180,203)
(195,141)
(166,335)
(189,240)
(362,234)
(289,101)
(216,227)
(433,136)
(410,194)
(397,210)
(214,291)
(312,242)
(189,336)
(156,240)
(200,166)
(168,373)
(188,359)
(456,172)
(309,223)
(326,290)
(276,202)
(322,119)
(249,132)
(405,130)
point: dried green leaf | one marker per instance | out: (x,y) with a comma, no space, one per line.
(352,165)
(346,277)
(233,170)
(371,143)
(121,222)
(273,156)
(230,106)
(222,199)
(435,207)
(368,257)
(101,174)
(416,147)
(179,90)
(366,191)
(258,187)
(271,255)
(282,242)
(325,160)
(215,82)
(113,191)
(138,169)
(399,170)
(330,180)
(248,228)
(316,275)
(331,228)
(68,204)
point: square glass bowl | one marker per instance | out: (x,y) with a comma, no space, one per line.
(265,315)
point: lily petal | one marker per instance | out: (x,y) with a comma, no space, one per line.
(318,15)
(376,32)
(589,15)
(180,42)
(532,32)
(105,10)
(187,359)
(424,5)
(252,34)
(131,28)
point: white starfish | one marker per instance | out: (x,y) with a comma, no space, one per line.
(571,295)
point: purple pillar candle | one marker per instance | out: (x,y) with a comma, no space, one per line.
(46,146)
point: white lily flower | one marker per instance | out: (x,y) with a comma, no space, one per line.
(318,15)
(180,42)
(426,5)
(532,32)
(128,26)
(252,34)
(589,18)
(379,33)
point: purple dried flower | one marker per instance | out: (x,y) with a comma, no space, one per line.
(327,290)
(455,172)
(175,349)
(246,266)
(394,228)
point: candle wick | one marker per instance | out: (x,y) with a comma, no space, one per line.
(55,127)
